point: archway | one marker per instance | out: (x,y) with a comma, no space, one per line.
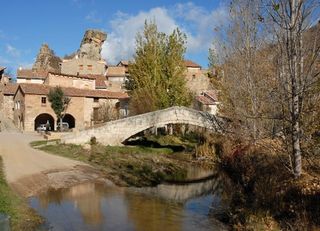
(44,118)
(70,120)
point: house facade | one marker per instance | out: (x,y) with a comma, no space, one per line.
(32,107)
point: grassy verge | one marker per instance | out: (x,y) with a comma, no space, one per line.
(126,166)
(22,217)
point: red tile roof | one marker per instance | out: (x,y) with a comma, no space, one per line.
(123,63)
(204,100)
(211,94)
(100,81)
(189,63)
(74,76)
(31,74)
(10,88)
(41,89)
(208,97)
(113,71)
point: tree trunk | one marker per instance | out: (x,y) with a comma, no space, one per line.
(295,114)
(60,128)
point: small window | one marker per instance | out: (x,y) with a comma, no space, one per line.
(80,67)
(193,76)
(96,100)
(89,67)
(43,100)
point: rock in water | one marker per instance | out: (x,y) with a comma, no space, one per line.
(46,60)
(91,44)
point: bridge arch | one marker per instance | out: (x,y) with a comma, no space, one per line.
(115,132)
(44,118)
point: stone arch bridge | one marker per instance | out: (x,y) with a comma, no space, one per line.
(117,131)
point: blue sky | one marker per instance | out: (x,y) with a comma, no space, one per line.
(25,25)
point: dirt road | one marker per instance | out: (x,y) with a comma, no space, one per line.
(30,171)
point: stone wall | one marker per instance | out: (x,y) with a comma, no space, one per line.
(197,81)
(19,112)
(69,81)
(8,106)
(22,80)
(83,66)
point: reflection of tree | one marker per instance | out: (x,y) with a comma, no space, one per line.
(84,196)
(51,196)
(153,214)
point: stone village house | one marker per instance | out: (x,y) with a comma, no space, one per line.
(32,108)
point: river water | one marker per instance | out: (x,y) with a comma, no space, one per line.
(99,206)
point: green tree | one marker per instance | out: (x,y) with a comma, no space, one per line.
(59,102)
(157,73)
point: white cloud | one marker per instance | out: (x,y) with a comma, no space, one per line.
(120,43)
(93,17)
(199,24)
(14,52)
(196,22)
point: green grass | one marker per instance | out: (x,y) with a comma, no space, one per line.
(71,151)
(125,165)
(137,150)
(22,217)
(42,142)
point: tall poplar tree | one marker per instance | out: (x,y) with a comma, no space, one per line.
(157,73)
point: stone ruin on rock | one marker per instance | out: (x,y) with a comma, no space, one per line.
(47,60)
(91,45)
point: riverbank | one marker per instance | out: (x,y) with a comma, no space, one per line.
(127,165)
(266,195)
(21,216)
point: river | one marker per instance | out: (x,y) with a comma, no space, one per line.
(100,206)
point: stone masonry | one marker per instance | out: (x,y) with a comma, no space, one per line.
(115,132)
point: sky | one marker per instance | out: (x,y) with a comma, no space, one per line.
(25,25)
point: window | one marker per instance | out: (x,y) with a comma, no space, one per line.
(89,67)
(43,100)
(80,67)
(96,100)
(193,76)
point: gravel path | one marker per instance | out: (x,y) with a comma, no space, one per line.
(22,161)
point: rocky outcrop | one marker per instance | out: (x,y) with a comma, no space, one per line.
(91,44)
(47,60)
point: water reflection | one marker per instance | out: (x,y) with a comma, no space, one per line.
(96,206)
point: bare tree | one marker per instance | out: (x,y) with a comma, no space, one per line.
(246,70)
(291,20)
(107,112)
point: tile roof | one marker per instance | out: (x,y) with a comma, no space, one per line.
(31,74)
(208,97)
(114,71)
(74,76)
(100,81)
(41,89)
(10,88)
(211,94)
(123,63)
(204,100)
(189,63)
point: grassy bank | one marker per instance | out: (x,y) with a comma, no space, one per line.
(266,196)
(125,166)
(22,217)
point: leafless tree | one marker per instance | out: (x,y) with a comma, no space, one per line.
(291,21)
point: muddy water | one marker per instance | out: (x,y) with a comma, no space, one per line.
(97,206)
